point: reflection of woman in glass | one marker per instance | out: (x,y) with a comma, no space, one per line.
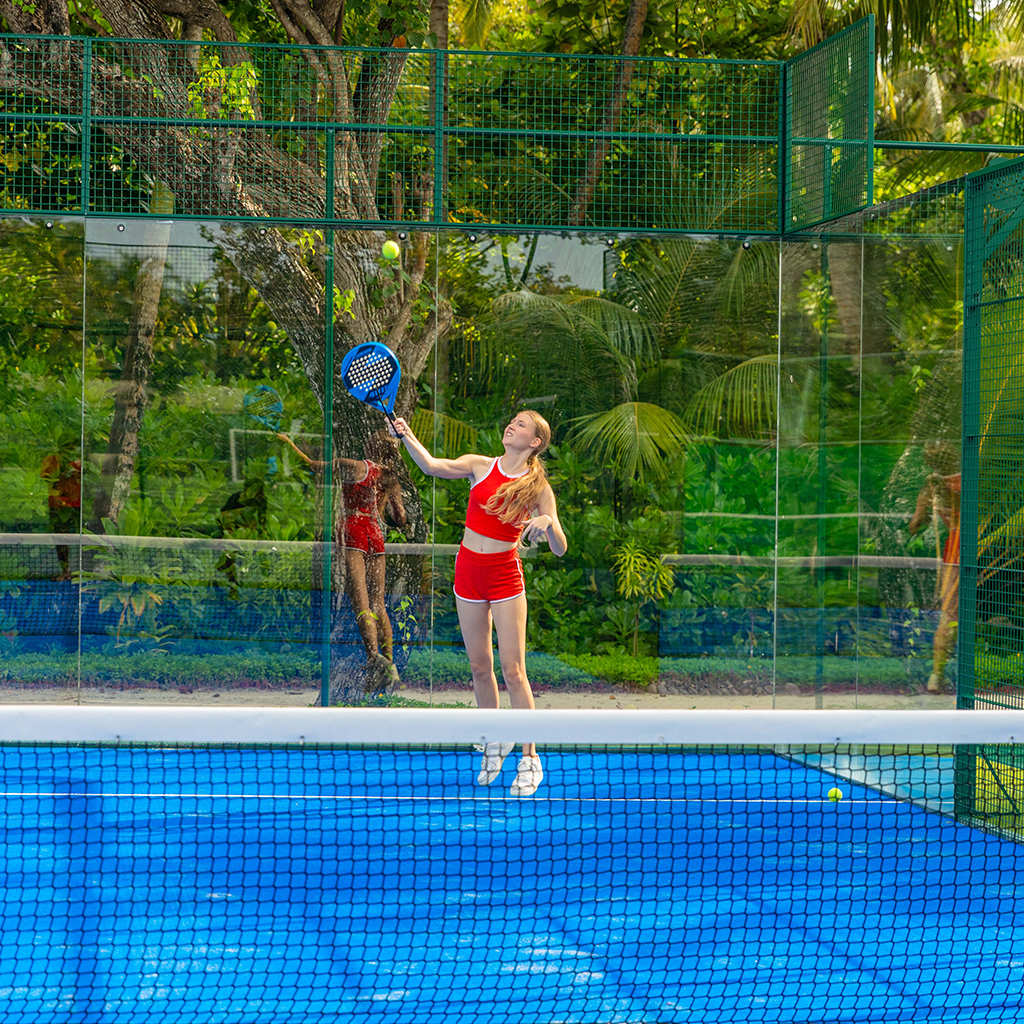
(939,499)
(509,499)
(63,472)
(369,487)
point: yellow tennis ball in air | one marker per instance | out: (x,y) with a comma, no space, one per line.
(390,250)
(835,795)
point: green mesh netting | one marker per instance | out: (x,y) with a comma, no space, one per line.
(991,612)
(830,128)
(370,136)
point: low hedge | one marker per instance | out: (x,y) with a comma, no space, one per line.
(163,671)
(448,668)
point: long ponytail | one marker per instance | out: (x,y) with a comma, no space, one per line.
(516,499)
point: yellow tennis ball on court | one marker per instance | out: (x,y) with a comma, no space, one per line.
(390,251)
(835,795)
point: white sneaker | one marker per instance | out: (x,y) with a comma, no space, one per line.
(529,776)
(490,765)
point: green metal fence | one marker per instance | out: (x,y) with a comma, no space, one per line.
(416,138)
(829,131)
(991,609)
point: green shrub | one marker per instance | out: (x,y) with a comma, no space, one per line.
(617,668)
(164,671)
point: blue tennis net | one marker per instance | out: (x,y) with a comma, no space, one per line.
(289,879)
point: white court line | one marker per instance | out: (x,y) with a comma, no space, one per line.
(443,799)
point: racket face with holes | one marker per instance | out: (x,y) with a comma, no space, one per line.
(371,373)
(264,405)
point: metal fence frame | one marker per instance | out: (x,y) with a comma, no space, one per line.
(735,111)
(990,779)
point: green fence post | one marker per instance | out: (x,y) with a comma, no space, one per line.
(327,597)
(84,198)
(822,489)
(871,111)
(782,200)
(974,259)
(440,67)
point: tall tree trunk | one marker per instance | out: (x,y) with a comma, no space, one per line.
(845,273)
(623,76)
(130,396)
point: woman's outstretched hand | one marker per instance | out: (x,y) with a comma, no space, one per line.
(398,427)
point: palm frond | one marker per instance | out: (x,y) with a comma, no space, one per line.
(451,436)
(686,289)
(742,401)
(807,22)
(475,16)
(637,438)
(537,340)
(748,270)
(627,331)
(899,23)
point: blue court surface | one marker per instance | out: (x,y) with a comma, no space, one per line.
(281,886)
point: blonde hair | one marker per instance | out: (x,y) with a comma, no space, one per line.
(516,499)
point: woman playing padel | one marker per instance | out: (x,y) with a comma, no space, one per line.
(510,500)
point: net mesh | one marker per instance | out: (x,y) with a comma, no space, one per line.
(311,866)
(260,132)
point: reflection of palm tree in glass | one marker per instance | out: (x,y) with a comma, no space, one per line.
(939,501)
(369,487)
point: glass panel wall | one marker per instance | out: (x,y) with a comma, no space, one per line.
(910,480)
(819,407)
(652,360)
(718,372)
(754,455)
(200,524)
(40,454)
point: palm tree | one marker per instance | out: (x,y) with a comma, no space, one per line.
(586,349)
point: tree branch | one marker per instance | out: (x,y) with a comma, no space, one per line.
(14,17)
(623,76)
(135,19)
(90,23)
(420,248)
(379,79)
(50,18)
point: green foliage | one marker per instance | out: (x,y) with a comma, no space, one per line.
(739,403)
(222,92)
(748,30)
(628,670)
(447,436)
(635,438)
(131,669)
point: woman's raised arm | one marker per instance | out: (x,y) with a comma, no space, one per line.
(446,469)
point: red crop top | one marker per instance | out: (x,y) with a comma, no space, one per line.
(360,496)
(487,524)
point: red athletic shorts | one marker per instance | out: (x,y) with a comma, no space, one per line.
(486,578)
(364,533)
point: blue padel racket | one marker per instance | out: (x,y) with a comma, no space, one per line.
(264,405)
(371,373)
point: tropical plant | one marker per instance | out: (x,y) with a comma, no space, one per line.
(642,577)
